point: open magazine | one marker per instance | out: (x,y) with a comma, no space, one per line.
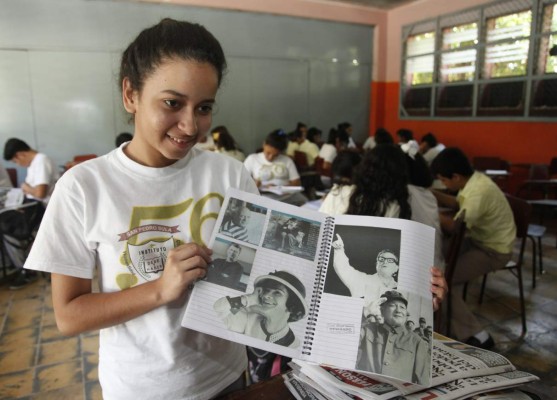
(459,370)
(337,291)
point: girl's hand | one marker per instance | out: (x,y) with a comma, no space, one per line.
(184,265)
(439,287)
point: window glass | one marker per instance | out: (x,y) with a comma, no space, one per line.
(458,66)
(420,44)
(460,36)
(551,64)
(419,70)
(509,27)
(506,59)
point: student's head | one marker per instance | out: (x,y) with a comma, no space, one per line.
(314,135)
(452,168)
(123,138)
(428,141)
(343,166)
(301,127)
(233,252)
(275,143)
(404,135)
(342,139)
(345,126)
(380,181)
(386,264)
(224,139)
(14,150)
(382,136)
(394,308)
(169,77)
(280,291)
(419,173)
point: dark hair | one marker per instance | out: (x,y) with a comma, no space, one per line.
(312,133)
(225,138)
(300,125)
(343,166)
(379,180)
(405,135)
(123,138)
(165,40)
(382,136)
(343,126)
(343,137)
(277,139)
(419,173)
(451,161)
(12,146)
(430,139)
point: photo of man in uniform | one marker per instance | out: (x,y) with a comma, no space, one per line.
(386,345)
(227,272)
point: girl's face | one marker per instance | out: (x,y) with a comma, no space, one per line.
(270,152)
(172,111)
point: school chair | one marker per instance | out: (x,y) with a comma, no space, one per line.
(521,213)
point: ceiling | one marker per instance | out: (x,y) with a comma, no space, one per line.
(383,4)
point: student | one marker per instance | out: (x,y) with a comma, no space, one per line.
(225,143)
(347,127)
(42,173)
(336,142)
(336,201)
(371,141)
(300,143)
(141,215)
(490,237)
(271,166)
(314,136)
(430,147)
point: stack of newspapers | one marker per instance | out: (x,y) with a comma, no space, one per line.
(459,371)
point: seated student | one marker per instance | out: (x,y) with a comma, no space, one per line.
(225,143)
(382,136)
(337,141)
(42,175)
(336,201)
(347,127)
(314,136)
(205,142)
(490,235)
(430,147)
(300,143)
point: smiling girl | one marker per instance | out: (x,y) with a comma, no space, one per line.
(141,215)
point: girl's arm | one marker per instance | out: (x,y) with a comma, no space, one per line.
(78,309)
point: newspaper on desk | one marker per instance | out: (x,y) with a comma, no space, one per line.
(459,371)
(11,197)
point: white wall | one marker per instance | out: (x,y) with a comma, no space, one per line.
(59,63)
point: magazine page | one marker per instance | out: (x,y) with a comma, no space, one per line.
(464,388)
(376,312)
(259,287)
(300,390)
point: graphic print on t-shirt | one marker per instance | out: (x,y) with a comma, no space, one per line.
(149,258)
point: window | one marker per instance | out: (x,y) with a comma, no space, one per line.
(492,60)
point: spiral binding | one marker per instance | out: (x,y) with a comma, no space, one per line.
(319,285)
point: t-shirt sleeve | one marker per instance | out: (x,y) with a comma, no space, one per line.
(474,209)
(60,245)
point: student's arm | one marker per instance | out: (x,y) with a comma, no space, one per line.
(445,200)
(77,309)
(38,192)
(295,182)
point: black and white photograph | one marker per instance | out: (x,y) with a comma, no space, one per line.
(278,300)
(363,262)
(292,235)
(387,346)
(231,266)
(243,221)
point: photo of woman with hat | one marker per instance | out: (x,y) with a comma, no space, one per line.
(278,299)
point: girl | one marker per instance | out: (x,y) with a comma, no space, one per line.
(141,214)
(226,143)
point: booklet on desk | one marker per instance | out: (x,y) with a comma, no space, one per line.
(331,290)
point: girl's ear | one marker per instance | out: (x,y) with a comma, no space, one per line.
(129,96)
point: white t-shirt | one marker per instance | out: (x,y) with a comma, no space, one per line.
(433,152)
(337,200)
(280,171)
(123,217)
(369,143)
(42,171)
(425,210)
(328,152)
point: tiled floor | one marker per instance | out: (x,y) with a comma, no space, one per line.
(36,362)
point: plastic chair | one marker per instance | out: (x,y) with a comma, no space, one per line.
(455,242)
(521,213)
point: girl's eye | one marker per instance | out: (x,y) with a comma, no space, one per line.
(205,109)
(171,103)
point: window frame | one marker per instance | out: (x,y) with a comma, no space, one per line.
(532,80)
